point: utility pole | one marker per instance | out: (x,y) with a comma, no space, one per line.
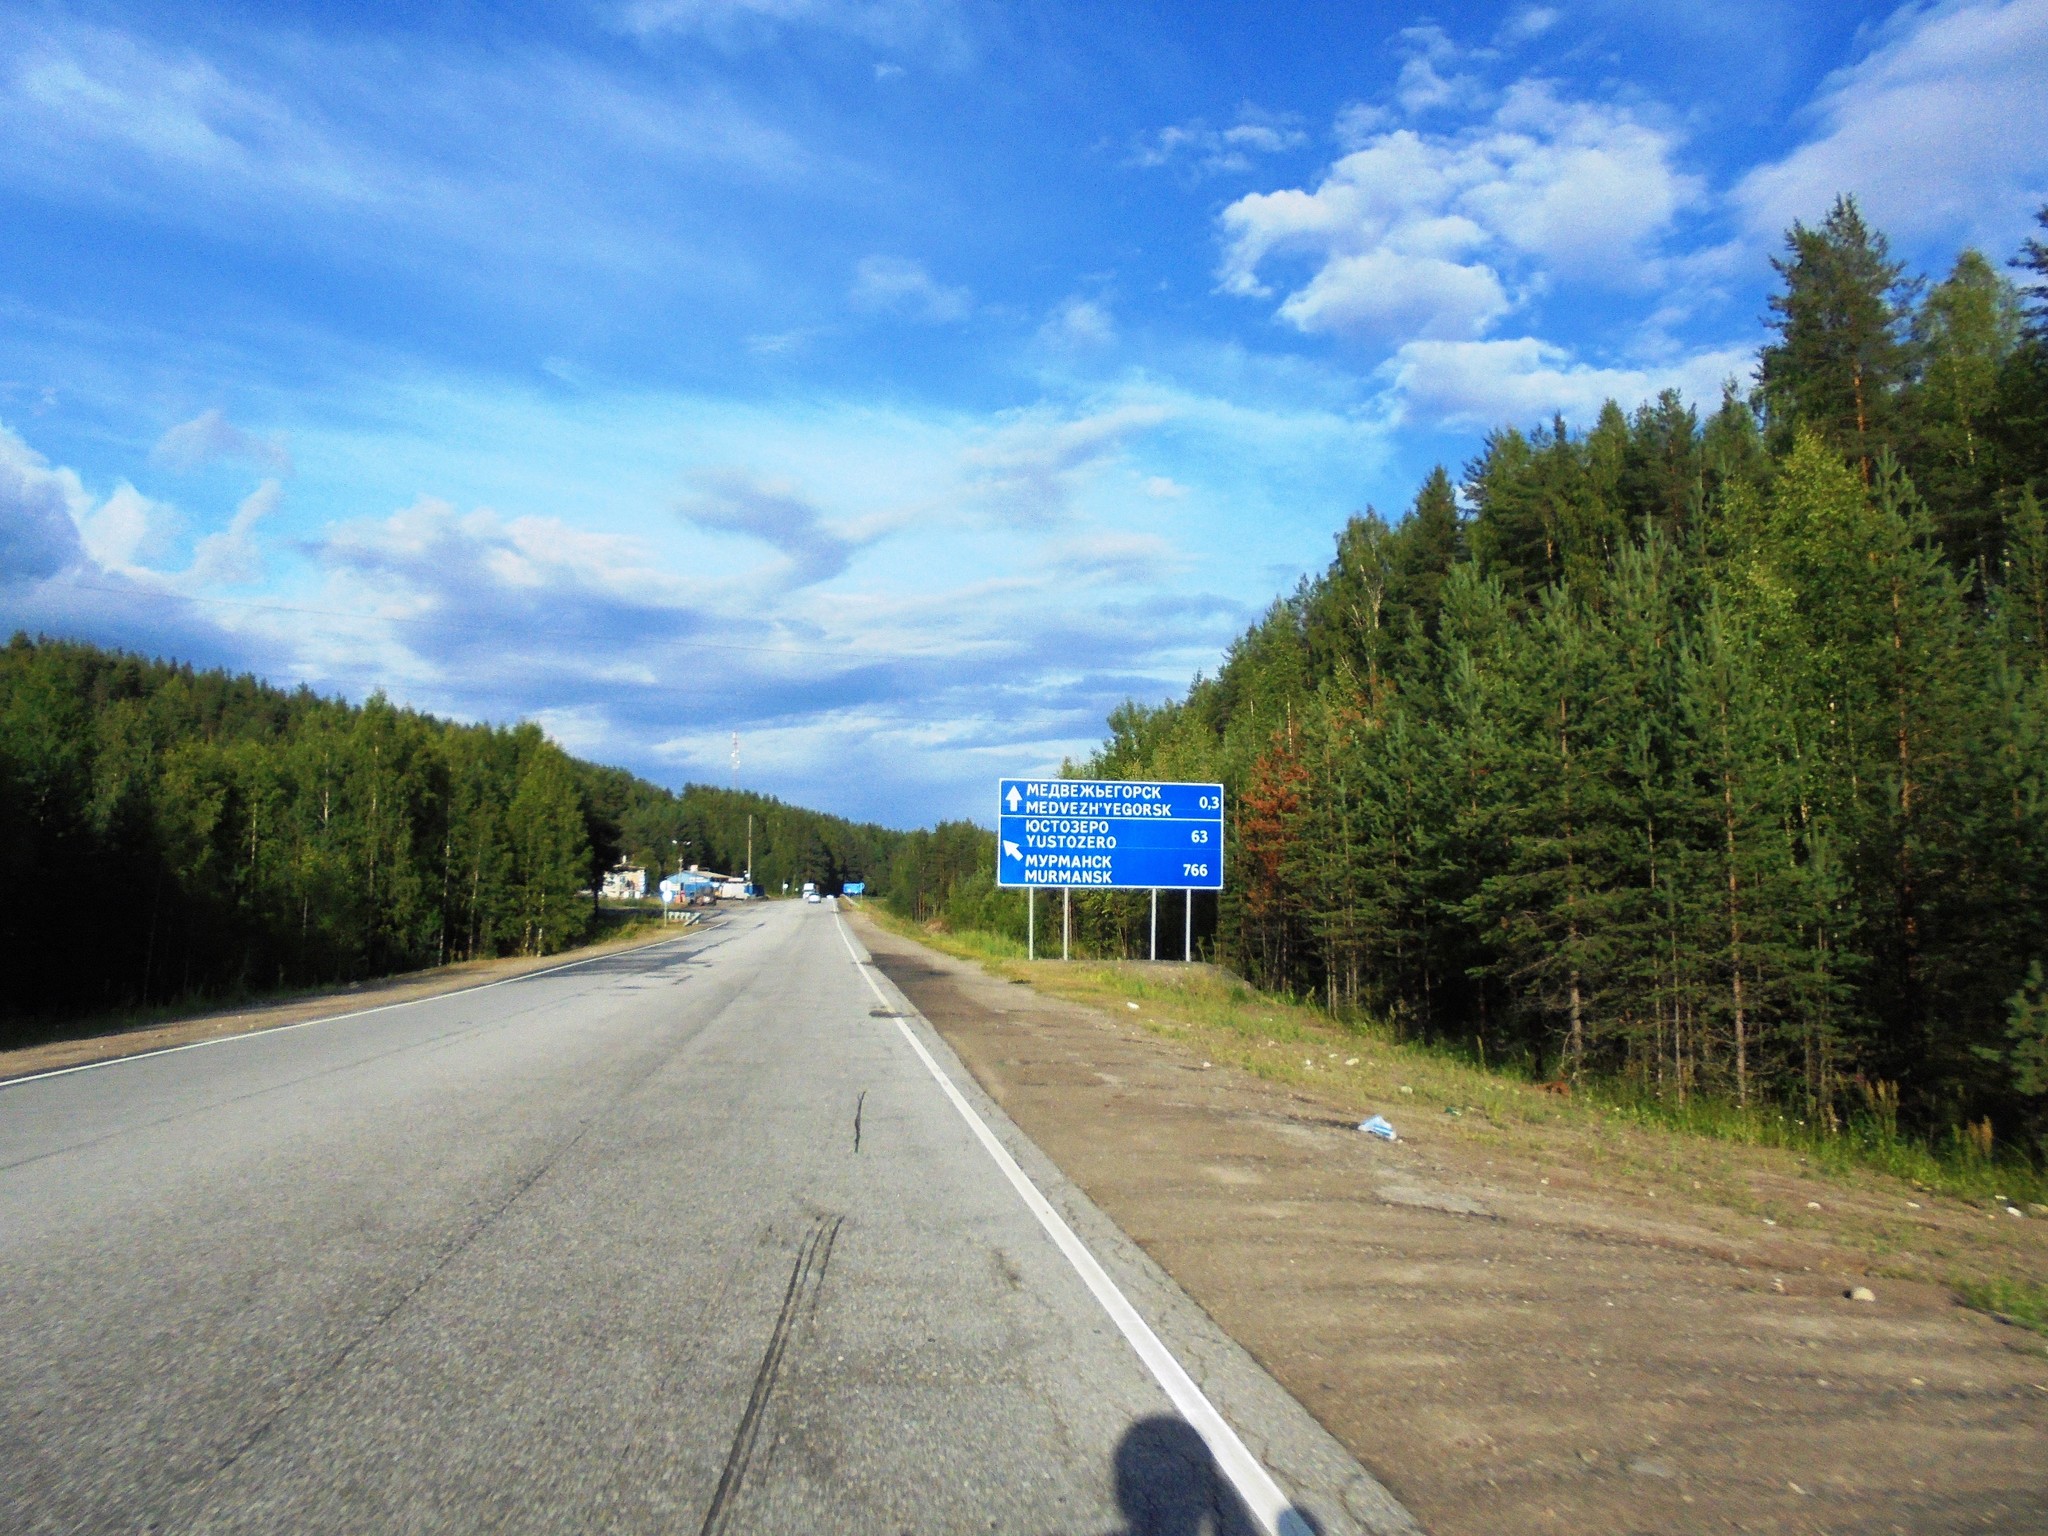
(750,841)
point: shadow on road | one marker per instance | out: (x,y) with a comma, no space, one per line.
(1167,1484)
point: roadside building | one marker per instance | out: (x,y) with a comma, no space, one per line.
(624,883)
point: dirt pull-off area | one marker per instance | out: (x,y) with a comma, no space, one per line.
(1512,1338)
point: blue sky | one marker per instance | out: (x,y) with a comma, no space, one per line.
(899,384)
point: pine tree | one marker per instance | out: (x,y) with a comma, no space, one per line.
(1839,362)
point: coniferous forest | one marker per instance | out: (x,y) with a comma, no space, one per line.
(1710,753)
(170,835)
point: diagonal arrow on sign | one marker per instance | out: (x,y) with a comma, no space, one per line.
(1012,851)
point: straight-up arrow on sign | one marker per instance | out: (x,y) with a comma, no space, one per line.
(1015,799)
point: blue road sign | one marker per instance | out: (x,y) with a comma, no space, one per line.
(855,888)
(1118,833)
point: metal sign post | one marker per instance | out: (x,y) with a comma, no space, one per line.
(1109,834)
(1031,925)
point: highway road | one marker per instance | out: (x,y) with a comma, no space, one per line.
(709,1236)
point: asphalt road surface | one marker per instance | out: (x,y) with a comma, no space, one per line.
(690,1238)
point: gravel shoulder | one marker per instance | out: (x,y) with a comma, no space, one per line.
(1521,1325)
(300,1008)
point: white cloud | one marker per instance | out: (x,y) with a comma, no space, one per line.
(104,91)
(126,530)
(779,343)
(1422,86)
(1526,25)
(1389,292)
(1079,322)
(1424,234)
(231,556)
(1358,122)
(897,285)
(1937,130)
(1112,558)
(1215,151)
(391,154)
(1028,468)
(39,512)
(1484,383)
(431,545)
(935,25)
(210,436)
(1164,488)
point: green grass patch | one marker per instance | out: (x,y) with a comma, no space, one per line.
(1950,1166)
(2024,1302)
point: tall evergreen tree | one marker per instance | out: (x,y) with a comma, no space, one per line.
(2033,259)
(1963,333)
(1840,360)
(2020,419)
(1432,540)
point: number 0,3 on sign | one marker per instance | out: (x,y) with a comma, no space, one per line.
(1112,833)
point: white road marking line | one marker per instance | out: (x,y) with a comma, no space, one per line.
(330,1018)
(1254,1484)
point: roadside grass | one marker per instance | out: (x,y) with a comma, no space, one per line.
(2021,1302)
(1748,1163)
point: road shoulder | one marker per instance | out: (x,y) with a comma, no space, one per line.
(1322,1477)
(1504,1353)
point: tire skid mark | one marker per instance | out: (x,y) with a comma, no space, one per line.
(806,1278)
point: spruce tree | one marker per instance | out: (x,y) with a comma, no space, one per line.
(1432,540)
(1963,333)
(1558,905)
(2019,422)
(2033,259)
